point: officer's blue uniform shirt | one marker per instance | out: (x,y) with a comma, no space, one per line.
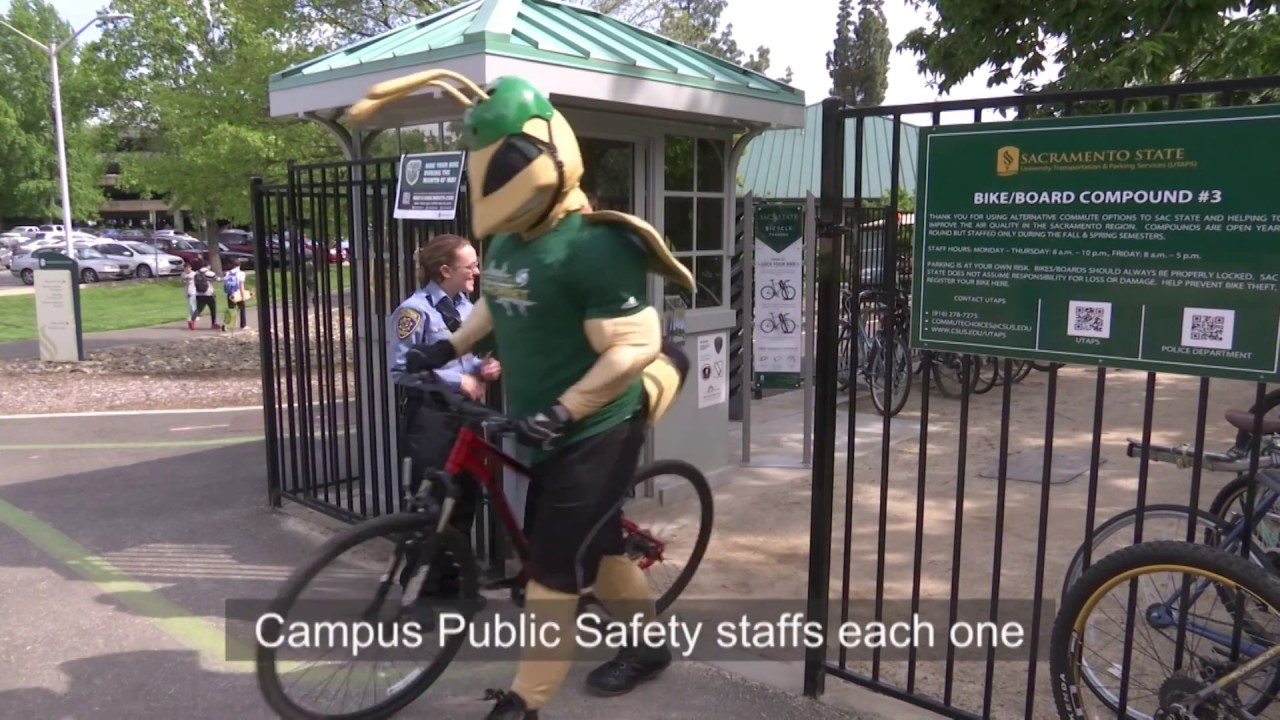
(418,322)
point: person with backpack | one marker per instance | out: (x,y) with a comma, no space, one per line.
(234,288)
(203,281)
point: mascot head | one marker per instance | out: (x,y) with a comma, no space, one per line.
(524,165)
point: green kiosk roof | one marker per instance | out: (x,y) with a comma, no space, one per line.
(568,50)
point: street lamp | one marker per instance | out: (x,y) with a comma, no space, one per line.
(52,50)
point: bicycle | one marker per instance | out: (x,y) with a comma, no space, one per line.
(1191,685)
(777,321)
(776,287)
(871,349)
(1220,525)
(421,533)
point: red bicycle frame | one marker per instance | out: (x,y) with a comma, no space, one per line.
(474,455)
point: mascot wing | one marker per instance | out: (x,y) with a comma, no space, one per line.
(661,261)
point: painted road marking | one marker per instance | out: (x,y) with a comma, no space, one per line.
(111,413)
(198,427)
(208,442)
(207,640)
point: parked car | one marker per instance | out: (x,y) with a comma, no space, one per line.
(152,261)
(94,266)
(27,230)
(194,251)
(121,255)
(12,240)
(6,256)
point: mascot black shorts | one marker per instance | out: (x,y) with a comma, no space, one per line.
(575,505)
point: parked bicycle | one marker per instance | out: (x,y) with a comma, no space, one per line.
(776,287)
(778,321)
(1235,675)
(416,540)
(1228,516)
(862,353)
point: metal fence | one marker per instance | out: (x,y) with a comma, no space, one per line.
(918,526)
(324,311)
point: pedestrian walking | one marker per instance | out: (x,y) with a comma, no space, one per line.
(233,286)
(202,281)
(188,284)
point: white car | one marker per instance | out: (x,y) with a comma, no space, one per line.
(152,261)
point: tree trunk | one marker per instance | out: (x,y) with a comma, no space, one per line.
(210,238)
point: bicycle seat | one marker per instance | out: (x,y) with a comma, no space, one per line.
(1245,420)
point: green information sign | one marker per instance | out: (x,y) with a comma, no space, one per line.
(1148,241)
(778,305)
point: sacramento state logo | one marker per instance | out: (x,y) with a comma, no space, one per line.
(1008,161)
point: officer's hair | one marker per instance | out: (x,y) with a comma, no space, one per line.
(438,252)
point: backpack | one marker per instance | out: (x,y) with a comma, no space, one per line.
(201,282)
(231,282)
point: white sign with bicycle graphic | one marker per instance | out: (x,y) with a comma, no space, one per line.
(779,276)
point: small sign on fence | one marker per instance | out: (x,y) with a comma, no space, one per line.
(1144,241)
(428,185)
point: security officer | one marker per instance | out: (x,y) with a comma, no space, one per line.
(447,268)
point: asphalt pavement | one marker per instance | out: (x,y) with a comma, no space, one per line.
(122,536)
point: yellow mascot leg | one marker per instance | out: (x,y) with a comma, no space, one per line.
(542,670)
(622,587)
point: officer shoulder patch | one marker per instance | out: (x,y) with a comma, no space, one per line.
(407,322)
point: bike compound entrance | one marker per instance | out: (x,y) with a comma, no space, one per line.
(1090,289)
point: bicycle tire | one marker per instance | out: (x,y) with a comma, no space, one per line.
(1234,490)
(979,384)
(450,539)
(702,491)
(1207,520)
(844,354)
(1066,644)
(877,394)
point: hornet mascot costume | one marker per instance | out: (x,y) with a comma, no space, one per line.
(564,295)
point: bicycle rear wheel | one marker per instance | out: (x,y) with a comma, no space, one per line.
(669,539)
(1077,681)
(413,539)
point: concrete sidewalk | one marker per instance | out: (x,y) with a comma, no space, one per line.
(123,536)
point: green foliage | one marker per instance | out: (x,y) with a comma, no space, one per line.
(695,23)
(337,22)
(859,62)
(29,172)
(194,84)
(1097,43)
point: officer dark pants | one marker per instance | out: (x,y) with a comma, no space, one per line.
(428,437)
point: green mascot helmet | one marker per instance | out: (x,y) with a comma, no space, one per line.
(524,166)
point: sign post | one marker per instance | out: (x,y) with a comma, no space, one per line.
(427,188)
(57,297)
(1142,241)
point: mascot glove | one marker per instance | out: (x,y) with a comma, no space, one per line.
(433,356)
(543,429)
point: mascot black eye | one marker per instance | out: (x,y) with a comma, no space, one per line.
(516,153)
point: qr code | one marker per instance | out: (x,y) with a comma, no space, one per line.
(1208,328)
(1089,319)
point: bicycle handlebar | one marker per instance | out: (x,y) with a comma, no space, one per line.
(447,400)
(1184,456)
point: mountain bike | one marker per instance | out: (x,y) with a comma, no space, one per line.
(1227,518)
(1236,676)
(407,584)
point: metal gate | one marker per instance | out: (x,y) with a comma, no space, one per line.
(944,517)
(324,306)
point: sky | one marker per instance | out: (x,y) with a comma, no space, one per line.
(799,37)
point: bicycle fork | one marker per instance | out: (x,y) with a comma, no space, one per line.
(414,586)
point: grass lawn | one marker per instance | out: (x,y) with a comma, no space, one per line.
(121,305)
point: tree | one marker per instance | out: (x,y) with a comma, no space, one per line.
(29,173)
(696,23)
(335,23)
(1099,43)
(859,62)
(197,72)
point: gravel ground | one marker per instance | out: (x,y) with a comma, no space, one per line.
(211,370)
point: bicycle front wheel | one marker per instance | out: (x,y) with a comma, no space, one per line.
(1159,635)
(375,599)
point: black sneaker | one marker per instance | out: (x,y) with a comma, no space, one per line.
(629,668)
(510,706)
